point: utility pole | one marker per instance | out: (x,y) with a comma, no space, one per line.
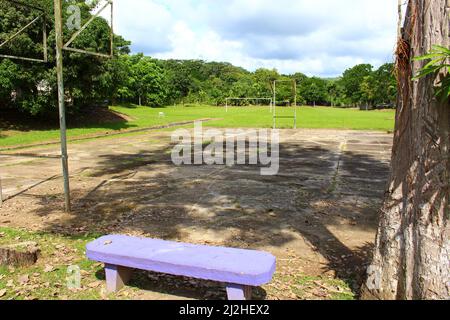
(61,100)
(274,104)
(295,104)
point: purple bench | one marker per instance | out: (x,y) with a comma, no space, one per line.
(240,270)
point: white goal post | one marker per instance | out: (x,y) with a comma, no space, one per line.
(227,100)
(294,92)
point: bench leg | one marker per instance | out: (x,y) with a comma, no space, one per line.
(239,292)
(116,277)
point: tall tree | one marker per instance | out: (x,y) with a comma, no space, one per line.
(367,88)
(314,91)
(351,82)
(147,81)
(385,85)
(412,254)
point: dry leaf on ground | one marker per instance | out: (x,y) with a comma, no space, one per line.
(23,279)
(48,268)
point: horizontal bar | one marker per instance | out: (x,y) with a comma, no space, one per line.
(21,58)
(89,52)
(248,99)
(284,117)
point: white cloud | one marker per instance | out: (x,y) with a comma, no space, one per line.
(321,37)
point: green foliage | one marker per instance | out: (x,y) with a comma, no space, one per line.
(385,84)
(361,85)
(351,82)
(439,58)
(314,91)
(146,80)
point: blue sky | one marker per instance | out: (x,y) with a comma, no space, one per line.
(316,37)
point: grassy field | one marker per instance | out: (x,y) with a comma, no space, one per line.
(252,117)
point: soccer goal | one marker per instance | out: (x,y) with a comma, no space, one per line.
(275,115)
(243,102)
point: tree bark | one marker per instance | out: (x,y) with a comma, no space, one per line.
(411,258)
(21,254)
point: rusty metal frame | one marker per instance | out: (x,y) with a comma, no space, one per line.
(67,47)
(44,33)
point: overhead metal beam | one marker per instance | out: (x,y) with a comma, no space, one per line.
(102,55)
(21,58)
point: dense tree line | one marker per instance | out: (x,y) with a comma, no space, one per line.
(31,87)
(166,82)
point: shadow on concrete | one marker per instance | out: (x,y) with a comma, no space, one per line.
(256,211)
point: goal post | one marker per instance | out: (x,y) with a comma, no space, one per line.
(60,47)
(228,100)
(294,93)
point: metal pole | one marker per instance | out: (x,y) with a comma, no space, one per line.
(62,111)
(295,104)
(112,28)
(44,37)
(274,104)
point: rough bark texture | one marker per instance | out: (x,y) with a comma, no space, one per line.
(411,258)
(20,255)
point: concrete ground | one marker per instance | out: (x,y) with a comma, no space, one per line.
(318,215)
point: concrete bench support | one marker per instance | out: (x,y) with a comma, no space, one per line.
(239,292)
(116,277)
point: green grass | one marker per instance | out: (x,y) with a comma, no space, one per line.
(305,287)
(253,117)
(335,289)
(59,252)
(56,251)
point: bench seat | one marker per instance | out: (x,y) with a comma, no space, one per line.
(239,269)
